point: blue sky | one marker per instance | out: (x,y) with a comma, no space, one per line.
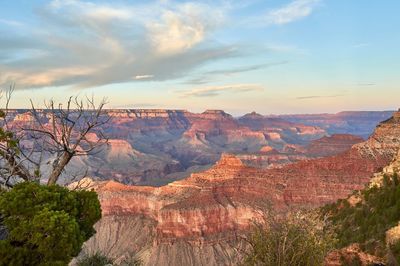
(277,56)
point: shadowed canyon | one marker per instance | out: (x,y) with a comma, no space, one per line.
(259,161)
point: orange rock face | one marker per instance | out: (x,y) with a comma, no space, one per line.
(209,208)
(156,146)
(351,254)
(334,144)
(227,196)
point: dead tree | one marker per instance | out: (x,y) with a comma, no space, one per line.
(51,136)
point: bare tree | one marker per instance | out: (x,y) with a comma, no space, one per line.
(50,137)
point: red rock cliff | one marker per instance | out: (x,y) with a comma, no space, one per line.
(210,207)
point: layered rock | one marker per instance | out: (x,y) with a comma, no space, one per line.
(193,221)
(352,255)
(355,123)
(280,129)
(331,145)
(268,157)
(168,145)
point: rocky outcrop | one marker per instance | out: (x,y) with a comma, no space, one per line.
(193,221)
(355,123)
(332,145)
(167,145)
(352,255)
(3,229)
(281,130)
(268,157)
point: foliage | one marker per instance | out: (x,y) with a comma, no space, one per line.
(395,251)
(355,261)
(47,225)
(55,135)
(367,221)
(96,259)
(131,261)
(297,239)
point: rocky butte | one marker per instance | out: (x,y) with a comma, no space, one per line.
(156,146)
(197,221)
(357,122)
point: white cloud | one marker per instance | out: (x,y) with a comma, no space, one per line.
(361,45)
(293,11)
(182,28)
(143,76)
(86,44)
(211,91)
(12,23)
(92,10)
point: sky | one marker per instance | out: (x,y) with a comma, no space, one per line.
(268,56)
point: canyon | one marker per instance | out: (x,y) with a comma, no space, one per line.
(155,147)
(349,122)
(200,220)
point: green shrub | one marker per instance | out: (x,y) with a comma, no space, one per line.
(46,225)
(366,222)
(96,259)
(293,240)
(99,259)
(131,261)
(356,261)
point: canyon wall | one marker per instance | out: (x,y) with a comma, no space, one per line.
(360,123)
(199,220)
(155,146)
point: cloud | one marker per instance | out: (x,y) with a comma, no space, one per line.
(245,68)
(212,91)
(143,76)
(87,44)
(366,84)
(293,11)
(318,97)
(12,23)
(208,76)
(136,106)
(92,10)
(361,45)
(182,28)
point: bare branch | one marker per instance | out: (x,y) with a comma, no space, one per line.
(59,132)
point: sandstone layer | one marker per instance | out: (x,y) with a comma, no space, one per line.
(156,146)
(199,220)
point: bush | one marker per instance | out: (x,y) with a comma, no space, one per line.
(99,259)
(96,259)
(366,222)
(294,240)
(131,261)
(394,252)
(46,225)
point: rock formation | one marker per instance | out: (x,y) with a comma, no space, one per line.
(157,146)
(331,145)
(355,123)
(197,220)
(351,255)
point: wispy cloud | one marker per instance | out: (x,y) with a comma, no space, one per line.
(366,84)
(212,91)
(318,96)
(293,11)
(183,28)
(361,45)
(136,105)
(209,76)
(245,68)
(10,22)
(86,44)
(143,77)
